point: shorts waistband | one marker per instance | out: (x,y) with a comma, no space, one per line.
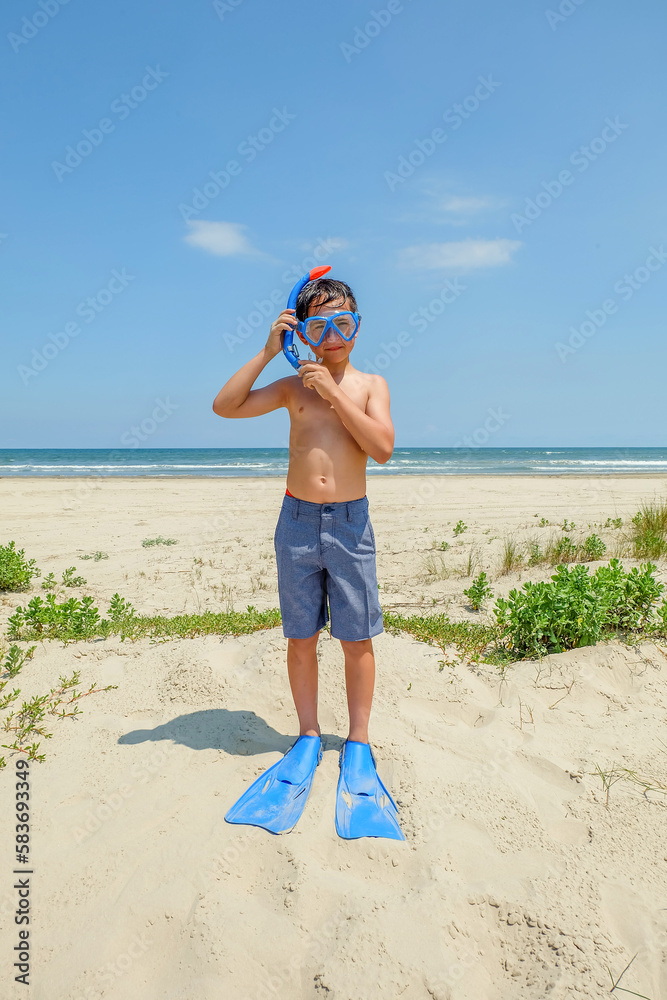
(307,509)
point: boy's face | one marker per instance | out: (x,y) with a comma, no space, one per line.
(333,347)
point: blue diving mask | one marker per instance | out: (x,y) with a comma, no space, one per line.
(344,323)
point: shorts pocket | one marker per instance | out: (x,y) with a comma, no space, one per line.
(364,538)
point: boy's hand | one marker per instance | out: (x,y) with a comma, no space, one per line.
(317,376)
(286,321)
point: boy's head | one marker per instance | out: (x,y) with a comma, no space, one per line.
(324,297)
(322,292)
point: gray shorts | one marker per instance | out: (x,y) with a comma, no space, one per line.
(326,553)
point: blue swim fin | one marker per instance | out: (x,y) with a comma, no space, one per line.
(364,807)
(277,798)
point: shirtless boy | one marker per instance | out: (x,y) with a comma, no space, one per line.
(325,551)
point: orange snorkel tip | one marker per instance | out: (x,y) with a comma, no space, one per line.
(317,272)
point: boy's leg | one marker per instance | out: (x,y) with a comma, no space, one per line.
(302,671)
(359,683)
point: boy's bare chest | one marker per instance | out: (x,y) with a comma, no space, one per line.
(308,405)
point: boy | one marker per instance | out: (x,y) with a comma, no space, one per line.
(325,550)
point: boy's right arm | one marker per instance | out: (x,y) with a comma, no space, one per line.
(237,398)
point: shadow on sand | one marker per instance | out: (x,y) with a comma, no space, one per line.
(240,733)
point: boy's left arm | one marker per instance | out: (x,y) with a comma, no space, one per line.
(373,430)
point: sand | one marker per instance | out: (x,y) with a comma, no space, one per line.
(517,878)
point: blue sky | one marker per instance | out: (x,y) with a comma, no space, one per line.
(488,177)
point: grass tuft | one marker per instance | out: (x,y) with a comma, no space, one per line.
(435,568)
(470,638)
(649,531)
(511,557)
(474,559)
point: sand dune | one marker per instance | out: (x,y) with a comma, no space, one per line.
(516,880)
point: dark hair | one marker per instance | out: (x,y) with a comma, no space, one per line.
(321,291)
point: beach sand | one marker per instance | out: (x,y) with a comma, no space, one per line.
(517,879)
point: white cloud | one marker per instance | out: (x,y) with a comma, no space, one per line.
(465,254)
(440,206)
(224,239)
(466,205)
(332,242)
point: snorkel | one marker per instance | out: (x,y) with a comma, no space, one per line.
(289,348)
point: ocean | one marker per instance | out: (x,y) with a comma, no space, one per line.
(164,462)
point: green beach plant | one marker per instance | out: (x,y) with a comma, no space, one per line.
(73,620)
(14,660)
(661,618)
(69,580)
(479,592)
(593,548)
(535,554)
(150,542)
(16,571)
(28,722)
(550,617)
(629,598)
(9,669)
(120,610)
(459,528)
(96,556)
(562,550)
(49,582)
(576,609)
